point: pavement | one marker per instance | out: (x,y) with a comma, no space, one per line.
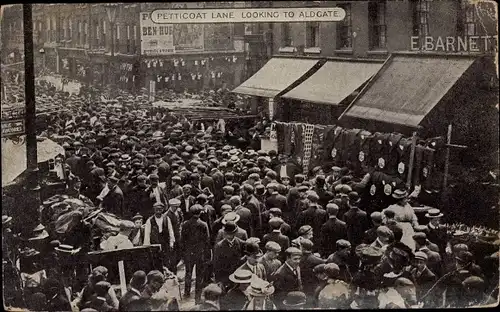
(186,303)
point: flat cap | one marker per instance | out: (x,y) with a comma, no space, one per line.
(332,270)
(306,244)
(420,236)
(228,189)
(319,268)
(303,188)
(313,196)
(473,282)
(420,255)
(403,281)
(275,222)
(195,209)
(273,246)
(293,251)
(376,216)
(174,202)
(304,229)
(342,243)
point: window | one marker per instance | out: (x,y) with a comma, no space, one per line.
(128,38)
(85,32)
(344,29)
(79,33)
(103,34)
(470,18)
(421,18)
(312,34)
(134,36)
(377,27)
(286,39)
(117,37)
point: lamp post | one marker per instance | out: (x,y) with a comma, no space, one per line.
(33,207)
(111,12)
(42,52)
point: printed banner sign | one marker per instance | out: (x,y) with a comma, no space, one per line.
(156,39)
(261,15)
(13,128)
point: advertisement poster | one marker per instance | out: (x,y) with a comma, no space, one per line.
(188,37)
(156,39)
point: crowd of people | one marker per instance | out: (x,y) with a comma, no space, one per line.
(258,233)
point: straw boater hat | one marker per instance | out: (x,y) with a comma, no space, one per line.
(260,288)
(231,217)
(241,276)
(399,194)
(67,249)
(434,213)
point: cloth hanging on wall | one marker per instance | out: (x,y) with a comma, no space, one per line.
(298,142)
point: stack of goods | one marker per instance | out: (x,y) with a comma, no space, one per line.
(474,233)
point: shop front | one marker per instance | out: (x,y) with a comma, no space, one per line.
(74,64)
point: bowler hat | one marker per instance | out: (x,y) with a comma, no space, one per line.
(354,197)
(252,249)
(230,227)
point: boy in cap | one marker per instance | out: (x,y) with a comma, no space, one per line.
(211,295)
(424,279)
(270,259)
(314,215)
(332,230)
(371,234)
(276,236)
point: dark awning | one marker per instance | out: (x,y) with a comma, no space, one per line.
(274,77)
(408,87)
(334,81)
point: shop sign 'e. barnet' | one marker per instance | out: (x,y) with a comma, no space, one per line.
(454,44)
(267,15)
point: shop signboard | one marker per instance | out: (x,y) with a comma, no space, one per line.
(156,39)
(188,37)
(13,121)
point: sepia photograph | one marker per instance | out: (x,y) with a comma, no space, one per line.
(250,155)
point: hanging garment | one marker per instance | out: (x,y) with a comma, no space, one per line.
(392,154)
(365,155)
(280,133)
(403,150)
(298,141)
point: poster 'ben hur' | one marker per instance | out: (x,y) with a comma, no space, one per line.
(250,155)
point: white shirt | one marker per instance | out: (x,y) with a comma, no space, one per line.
(156,192)
(159,222)
(283,171)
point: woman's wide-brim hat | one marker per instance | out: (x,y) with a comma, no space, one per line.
(39,233)
(399,194)
(434,213)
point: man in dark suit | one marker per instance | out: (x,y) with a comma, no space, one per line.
(138,199)
(277,200)
(331,231)
(253,204)
(356,221)
(133,294)
(307,264)
(176,218)
(314,215)
(246,218)
(288,277)
(195,247)
(187,200)
(227,254)
(206,180)
(96,175)
(113,200)
(218,178)
(231,217)
(371,234)
(344,259)
(325,196)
